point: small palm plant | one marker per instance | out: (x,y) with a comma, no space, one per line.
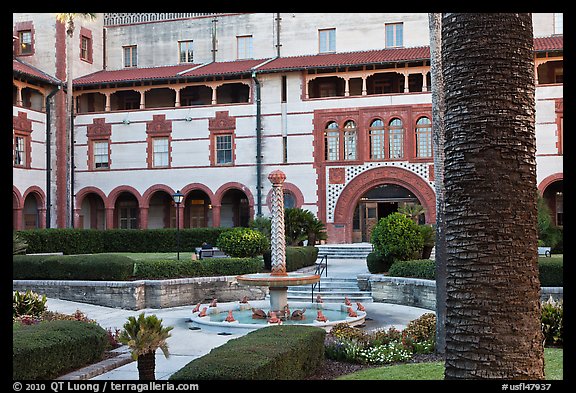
(144,335)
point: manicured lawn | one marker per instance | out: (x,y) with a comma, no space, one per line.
(553,369)
(140,256)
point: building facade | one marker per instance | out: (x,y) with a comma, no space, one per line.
(209,104)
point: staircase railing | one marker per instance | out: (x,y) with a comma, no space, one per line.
(321,267)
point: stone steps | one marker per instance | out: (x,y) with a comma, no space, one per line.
(332,290)
(345,251)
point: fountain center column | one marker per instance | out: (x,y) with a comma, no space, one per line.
(278,295)
(278,239)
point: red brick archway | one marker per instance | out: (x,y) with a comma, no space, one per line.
(341,230)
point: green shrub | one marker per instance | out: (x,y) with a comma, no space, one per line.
(553,322)
(396,237)
(96,267)
(288,352)
(169,268)
(243,242)
(377,263)
(87,241)
(418,268)
(28,303)
(50,348)
(297,257)
(551,271)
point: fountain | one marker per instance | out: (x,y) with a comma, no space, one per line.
(244,316)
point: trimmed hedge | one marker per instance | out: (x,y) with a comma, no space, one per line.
(114,267)
(93,241)
(270,353)
(550,270)
(164,269)
(419,268)
(297,257)
(51,348)
(93,267)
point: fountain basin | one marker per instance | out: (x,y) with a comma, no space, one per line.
(214,321)
(274,281)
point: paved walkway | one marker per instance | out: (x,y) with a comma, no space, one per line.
(186,345)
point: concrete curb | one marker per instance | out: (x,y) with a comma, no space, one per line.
(101,367)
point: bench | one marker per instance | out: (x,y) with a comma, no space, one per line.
(213,252)
(546,251)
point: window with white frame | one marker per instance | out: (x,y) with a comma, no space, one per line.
(377,142)
(161,152)
(423,137)
(101,155)
(130,56)
(186,50)
(85,45)
(244,47)
(25,37)
(19,151)
(350,139)
(394,35)
(224,149)
(558,23)
(396,139)
(332,142)
(327,40)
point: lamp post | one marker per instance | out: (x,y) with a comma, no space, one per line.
(178,197)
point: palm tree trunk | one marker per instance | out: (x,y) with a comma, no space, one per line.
(492,287)
(147,366)
(435,26)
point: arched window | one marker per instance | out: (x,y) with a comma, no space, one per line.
(377,140)
(396,138)
(423,137)
(332,142)
(350,140)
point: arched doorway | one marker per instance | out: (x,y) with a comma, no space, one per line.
(553,194)
(92,212)
(235,210)
(378,203)
(126,211)
(31,211)
(161,212)
(197,210)
(341,230)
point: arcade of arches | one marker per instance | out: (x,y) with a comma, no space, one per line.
(231,205)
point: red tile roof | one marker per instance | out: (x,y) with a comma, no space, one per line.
(133,74)
(223,68)
(280,64)
(549,43)
(348,58)
(22,67)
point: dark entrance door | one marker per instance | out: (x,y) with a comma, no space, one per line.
(375,204)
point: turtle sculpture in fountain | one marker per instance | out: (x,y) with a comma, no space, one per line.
(298,315)
(258,313)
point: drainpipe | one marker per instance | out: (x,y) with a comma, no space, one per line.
(278,45)
(48,154)
(72,164)
(258,147)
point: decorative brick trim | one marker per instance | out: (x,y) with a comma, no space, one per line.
(84,32)
(221,124)
(98,131)
(159,127)
(344,210)
(20,26)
